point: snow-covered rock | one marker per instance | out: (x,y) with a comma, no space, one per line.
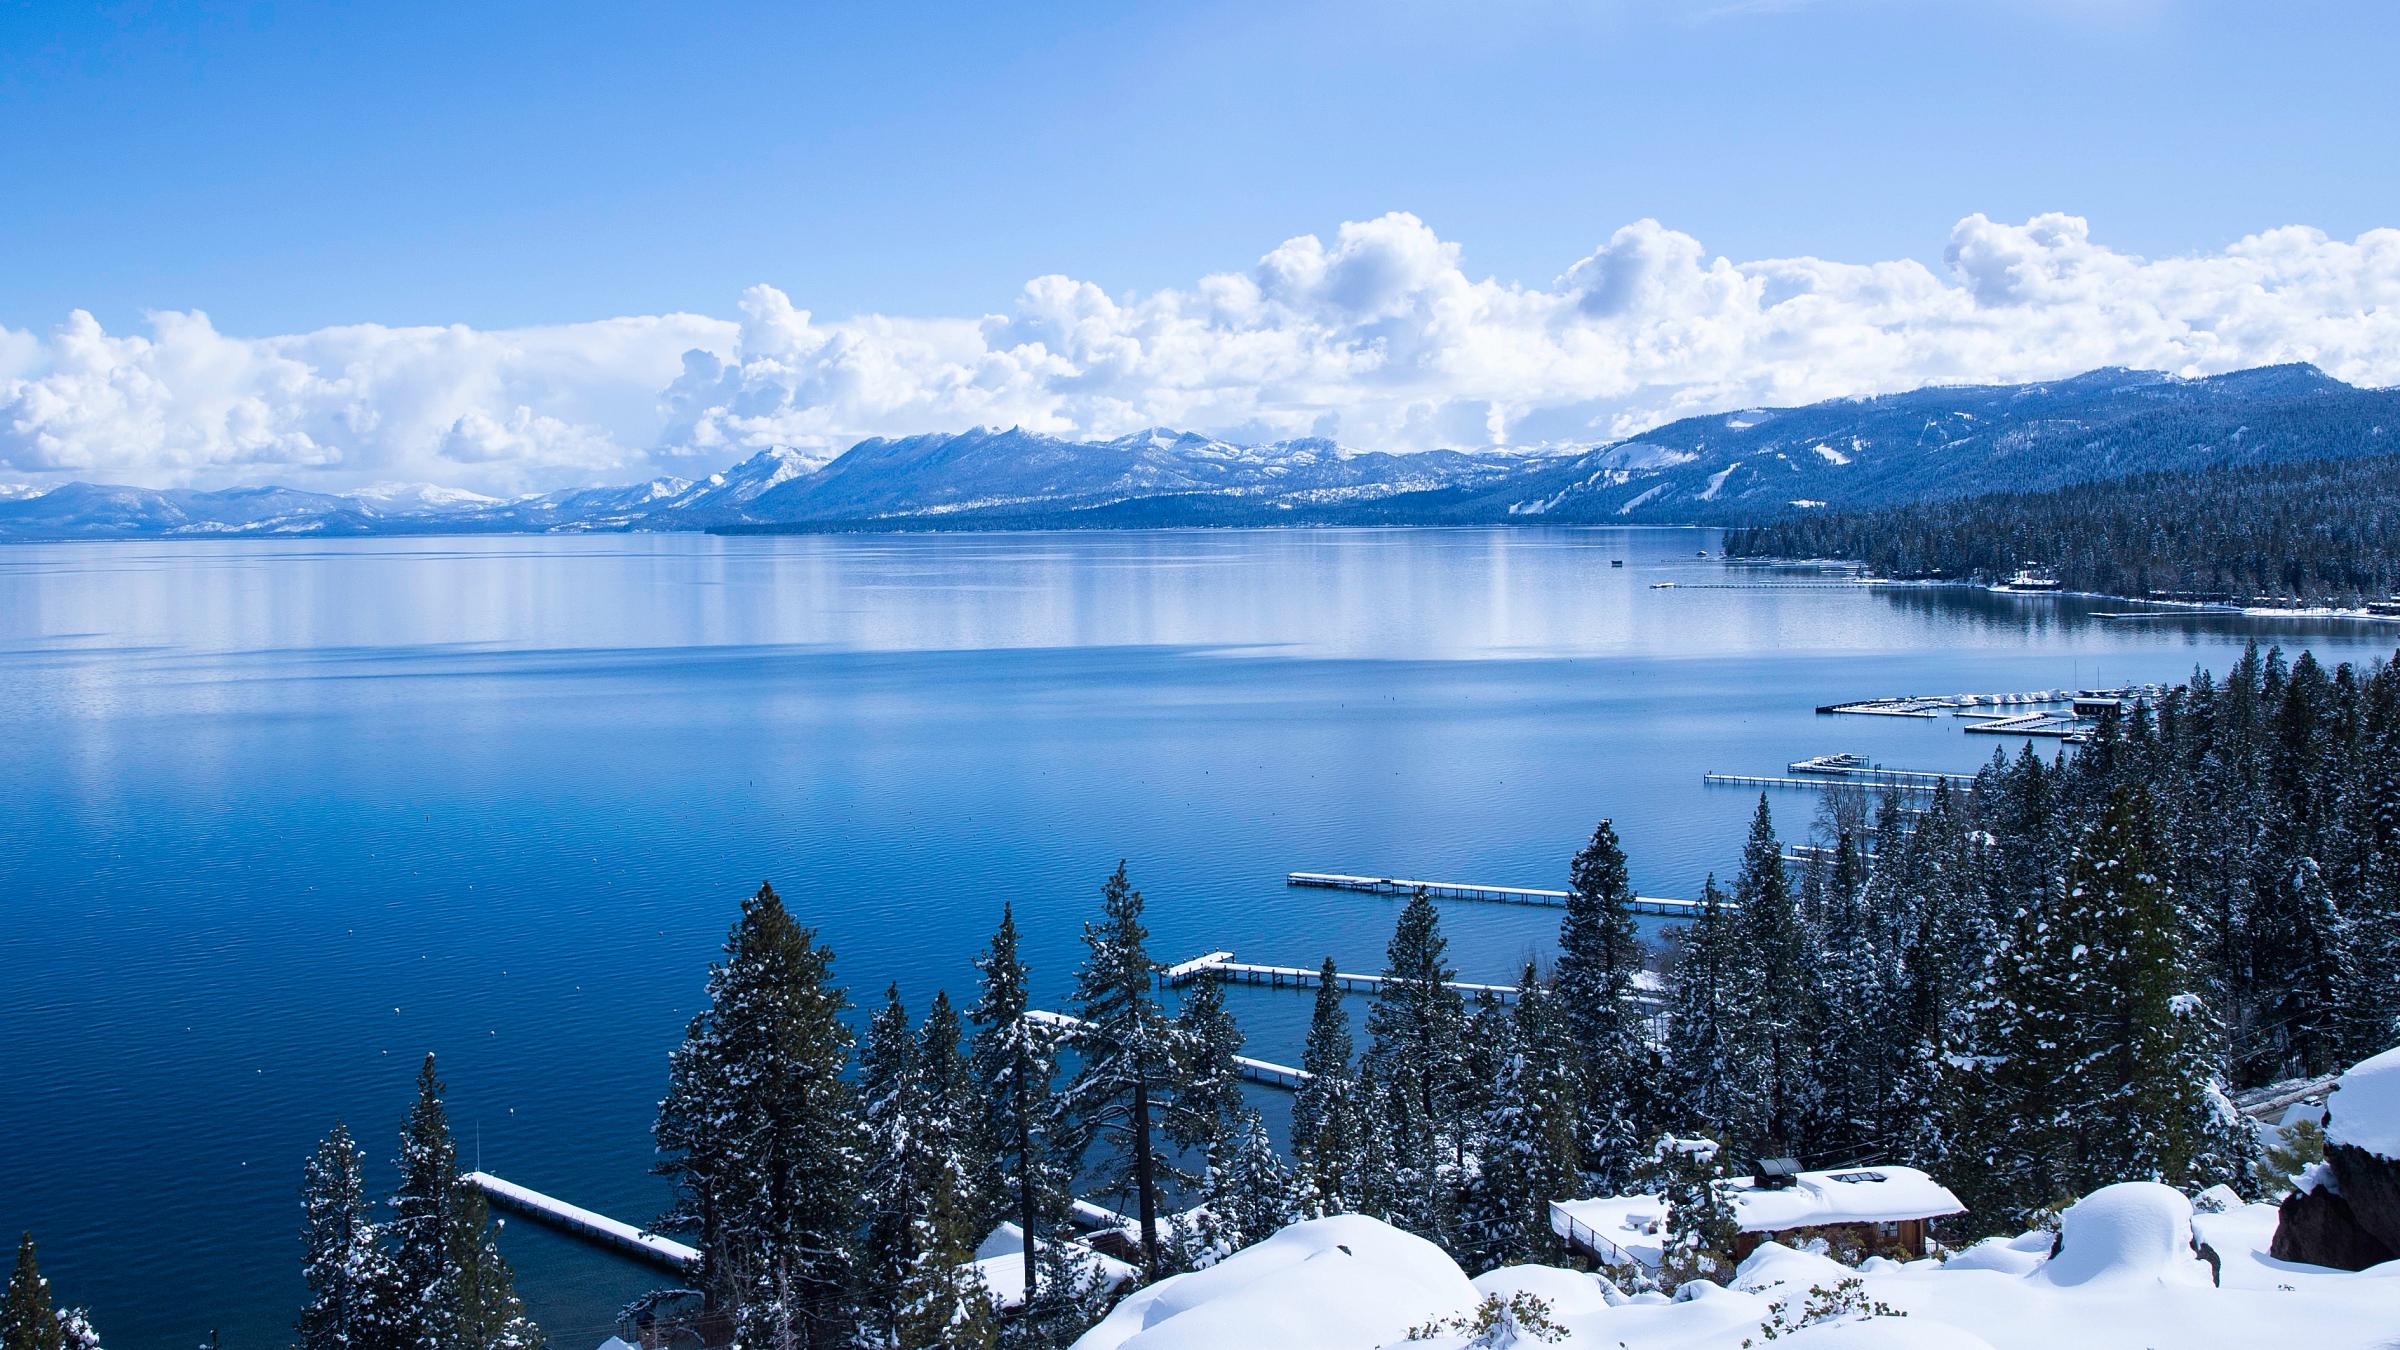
(2363,1110)
(2132,1232)
(2346,1212)
(1342,1283)
(1567,1292)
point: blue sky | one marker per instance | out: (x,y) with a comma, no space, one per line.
(286,167)
(511,247)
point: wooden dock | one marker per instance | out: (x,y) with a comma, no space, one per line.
(1850,768)
(588,1224)
(1821,784)
(1482,894)
(1222,966)
(1265,1072)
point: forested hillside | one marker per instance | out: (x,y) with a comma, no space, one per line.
(2318,532)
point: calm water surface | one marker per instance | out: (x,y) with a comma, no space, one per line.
(278,818)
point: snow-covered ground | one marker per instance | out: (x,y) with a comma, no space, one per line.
(2125,1278)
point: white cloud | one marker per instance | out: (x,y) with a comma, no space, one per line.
(1379,337)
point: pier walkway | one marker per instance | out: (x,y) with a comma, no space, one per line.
(1852,768)
(1821,784)
(1262,1071)
(1222,966)
(588,1224)
(1462,890)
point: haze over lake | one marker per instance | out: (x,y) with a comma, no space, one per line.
(279,817)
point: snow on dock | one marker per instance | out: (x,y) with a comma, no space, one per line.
(1262,1071)
(585,1223)
(1222,966)
(1934,705)
(1463,890)
(1855,768)
(1819,783)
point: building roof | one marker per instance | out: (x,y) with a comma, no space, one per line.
(1632,1224)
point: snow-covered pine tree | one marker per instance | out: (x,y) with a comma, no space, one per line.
(1249,1192)
(1326,1125)
(943,1303)
(349,1276)
(29,1321)
(891,1092)
(1208,1081)
(1772,1048)
(1124,1089)
(1599,957)
(1701,992)
(1374,1189)
(1416,1033)
(1689,1176)
(452,1290)
(491,1316)
(1014,1063)
(760,1131)
(1526,1146)
(1855,1059)
(2368,982)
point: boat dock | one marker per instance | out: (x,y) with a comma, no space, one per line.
(2063,726)
(1262,1071)
(1461,890)
(1222,966)
(589,1224)
(1855,768)
(1969,705)
(1820,783)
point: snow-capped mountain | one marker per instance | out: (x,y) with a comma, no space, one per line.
(1950,441)
(1748,465)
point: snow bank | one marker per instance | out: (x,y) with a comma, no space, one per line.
(1570,1293)
(2365,1106)
(1341,1283)
(1886,1333)
(2132,1231)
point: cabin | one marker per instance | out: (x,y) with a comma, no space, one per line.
(2385,609)
(2096,705)
(1879,1210)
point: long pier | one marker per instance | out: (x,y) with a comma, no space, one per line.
(1852,768)
(1222,966)
(589,1224)
(1262,1071)
(1495,895)
(1821,784)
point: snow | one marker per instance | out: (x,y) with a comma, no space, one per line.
(1003,1274)
(1647,493)
(2126,1276)
(1830,455)
(1341,1283)
(1716,481)
(2364,1107)
(2133,1232)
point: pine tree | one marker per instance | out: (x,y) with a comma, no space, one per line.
(1249,1195)
(943,1303)
(1774,1034)
(1014,1063)
(1326,1127)
(892,1092)
(1417,1030)
(1208,1081)
(1124,1092)
(1599,958)
(1858,1056)
(27,1321)
(350,1279)
(760,1131)
(1701,997)
(452,1289)
(1691,1182)
(1527,1141)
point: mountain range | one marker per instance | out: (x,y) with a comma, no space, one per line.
(1728,468)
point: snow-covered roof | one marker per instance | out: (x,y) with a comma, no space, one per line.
(1848,1195)
(2364,1108)
(1632,1223)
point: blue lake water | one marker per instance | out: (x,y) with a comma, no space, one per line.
(278,818)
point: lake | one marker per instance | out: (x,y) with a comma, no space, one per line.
(279,817)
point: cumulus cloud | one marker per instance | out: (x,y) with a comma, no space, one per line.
(1378,336)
